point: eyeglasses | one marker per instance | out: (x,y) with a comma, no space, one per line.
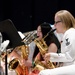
(57,22)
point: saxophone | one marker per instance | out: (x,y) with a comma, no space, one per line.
(15,63)
(24,50)
(43,48)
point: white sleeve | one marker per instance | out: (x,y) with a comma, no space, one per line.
(61,57)
(66,70)
(31,50)
(67,48)
(4,45)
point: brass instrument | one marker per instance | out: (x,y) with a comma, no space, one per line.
(24,49)
(43,48)
(29,37)
(15,63)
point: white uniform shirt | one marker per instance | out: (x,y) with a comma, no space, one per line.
(32,49)
(67,54)
(66,70)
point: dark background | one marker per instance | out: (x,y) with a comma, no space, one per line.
(28,14)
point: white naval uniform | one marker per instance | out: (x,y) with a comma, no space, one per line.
(67,56)
(66,70)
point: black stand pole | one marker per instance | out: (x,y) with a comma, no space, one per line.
(6,70)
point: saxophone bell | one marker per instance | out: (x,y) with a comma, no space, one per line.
(15,63)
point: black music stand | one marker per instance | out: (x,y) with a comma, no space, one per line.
(9,32)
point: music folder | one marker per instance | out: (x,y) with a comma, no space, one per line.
(9,32)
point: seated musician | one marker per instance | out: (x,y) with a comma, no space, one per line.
(64,23)
(16,49)
(51,41)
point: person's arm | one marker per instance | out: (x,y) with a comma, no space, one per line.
(67,48)
(52,48)
(61,57)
